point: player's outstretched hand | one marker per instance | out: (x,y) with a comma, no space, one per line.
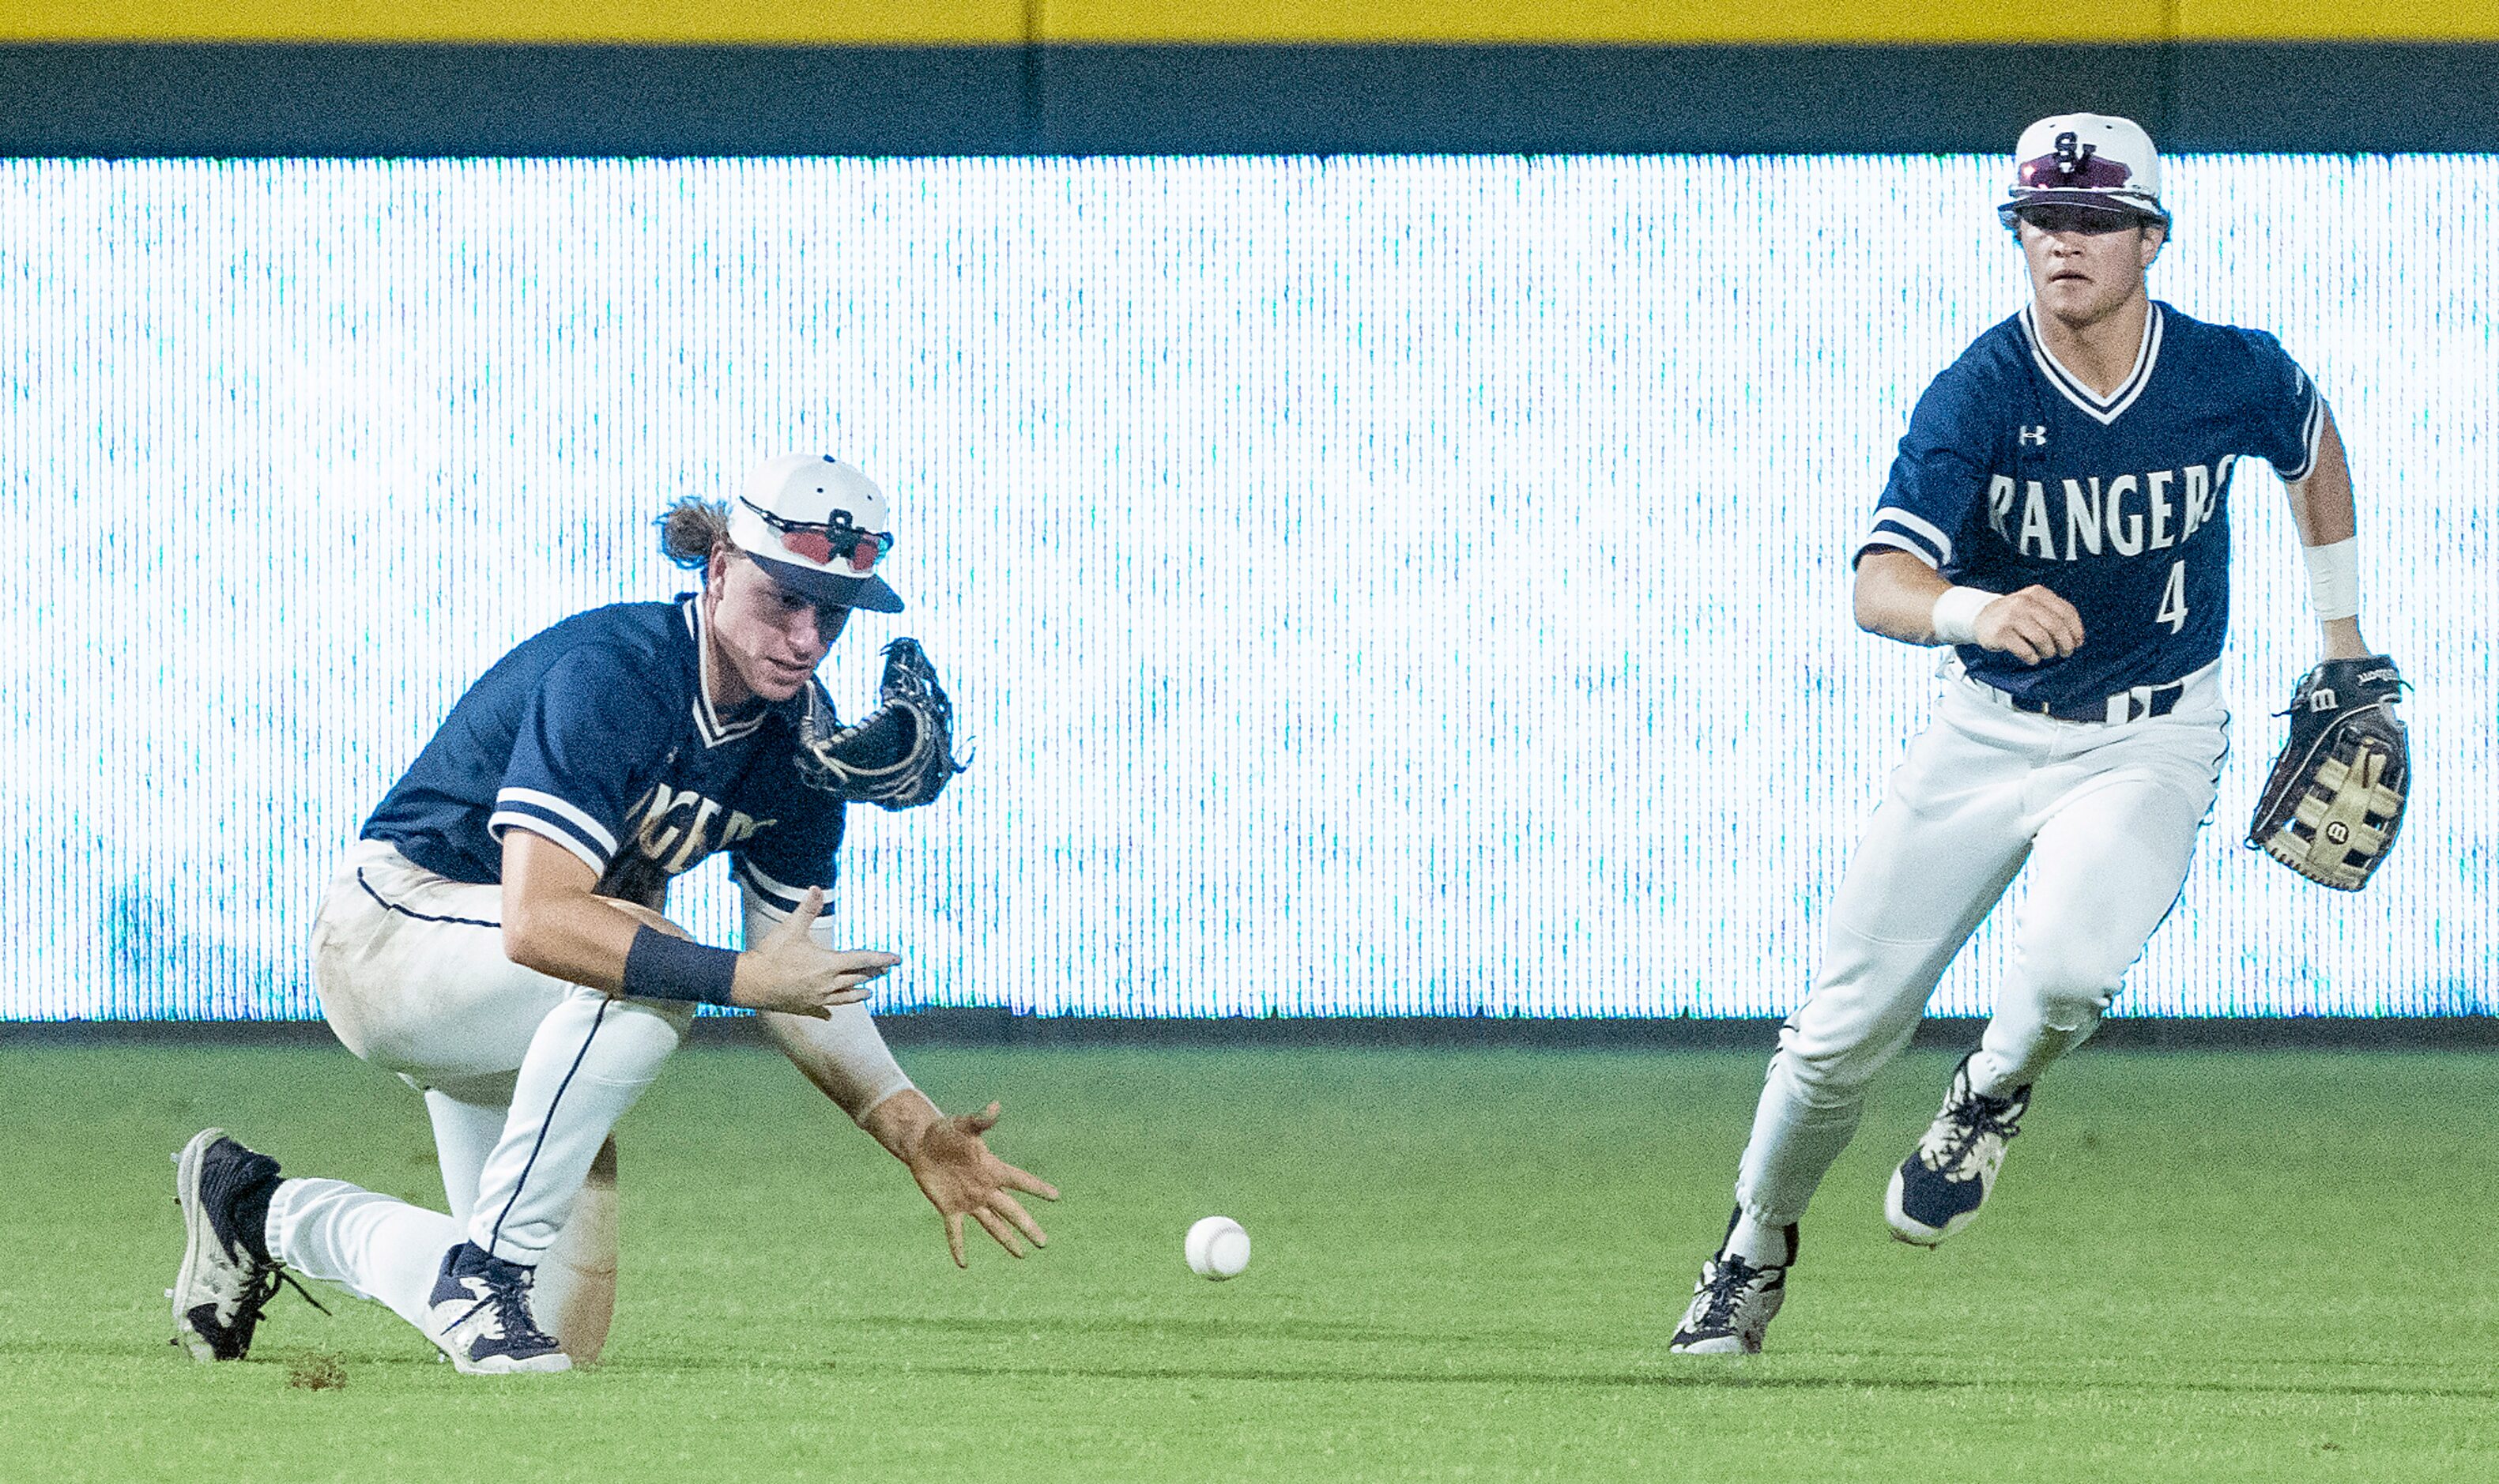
(2032,624)
(961,1178)
(788,972)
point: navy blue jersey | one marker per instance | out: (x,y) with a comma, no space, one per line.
(600,734)
(2014,472)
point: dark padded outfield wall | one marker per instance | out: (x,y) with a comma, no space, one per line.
(1153,76)
(118,99)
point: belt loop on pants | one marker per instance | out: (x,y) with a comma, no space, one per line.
(2140,702)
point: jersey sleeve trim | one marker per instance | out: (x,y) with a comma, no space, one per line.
(566,824)
(1882,540)
(502,820)
(593,833)
(2312,436)
(1912,532)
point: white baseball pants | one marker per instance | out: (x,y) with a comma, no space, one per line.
(2104,816)
(524,1077)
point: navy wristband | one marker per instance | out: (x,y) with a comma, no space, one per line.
(660,966)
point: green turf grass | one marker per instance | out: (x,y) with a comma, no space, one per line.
(2267,1267)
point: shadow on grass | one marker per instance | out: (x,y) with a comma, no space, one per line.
(1329,1330)
(1689,1372)
(1681,1373)
(1700,1374)
(1710,1375)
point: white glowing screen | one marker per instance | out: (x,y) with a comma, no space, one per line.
(1370,586)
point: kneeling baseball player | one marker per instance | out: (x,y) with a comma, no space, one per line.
(2057,516)
(495,938)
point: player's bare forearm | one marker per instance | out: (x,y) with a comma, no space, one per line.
(2322,505)
(1896,595)
(553,924)
(2324,511)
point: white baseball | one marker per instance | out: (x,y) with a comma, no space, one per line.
(1216,1249)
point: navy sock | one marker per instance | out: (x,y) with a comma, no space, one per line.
(251,1218)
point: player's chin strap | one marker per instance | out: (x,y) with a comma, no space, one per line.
(898,756)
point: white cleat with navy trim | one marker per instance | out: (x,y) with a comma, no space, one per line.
(481,1318)
(1734,1302)
(1940,1188)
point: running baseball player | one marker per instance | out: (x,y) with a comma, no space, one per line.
(496,938)
(2057,516)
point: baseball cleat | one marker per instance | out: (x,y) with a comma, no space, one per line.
(1732,1304)
(227,1276)
(482,1317)
(1939,1189)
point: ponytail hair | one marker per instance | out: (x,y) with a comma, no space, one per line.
(692,528)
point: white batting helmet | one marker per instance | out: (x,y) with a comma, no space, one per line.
(820,526)
(2096,161)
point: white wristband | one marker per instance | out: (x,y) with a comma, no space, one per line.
(2334,579)
(1956,615)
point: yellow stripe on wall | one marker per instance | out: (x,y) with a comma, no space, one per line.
(961,23)
(2373,21)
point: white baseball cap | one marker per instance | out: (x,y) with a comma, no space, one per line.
(820,526)
(2096,161)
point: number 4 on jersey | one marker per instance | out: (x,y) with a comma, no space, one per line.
(2173,599)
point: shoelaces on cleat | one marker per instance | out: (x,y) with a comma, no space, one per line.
(258,1290)
(229,1331)
(1726,1286)
(265,1288)
(1973,1121)
(511,1309)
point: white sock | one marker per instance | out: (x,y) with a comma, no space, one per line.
(1763,1245)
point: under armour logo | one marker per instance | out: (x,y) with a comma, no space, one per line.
(2034,435)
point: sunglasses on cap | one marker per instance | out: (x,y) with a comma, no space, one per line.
(817,542)
(2073,166)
